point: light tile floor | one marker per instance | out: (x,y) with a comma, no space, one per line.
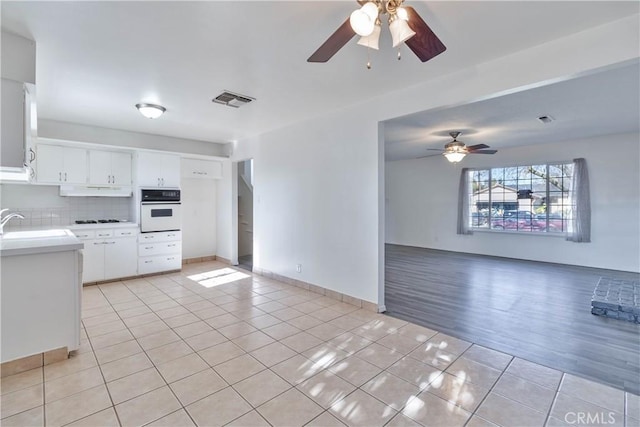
(214,346)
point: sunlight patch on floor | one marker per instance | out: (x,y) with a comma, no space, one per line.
(221,276)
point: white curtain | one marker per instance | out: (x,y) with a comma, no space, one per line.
(463,203)
(580,224)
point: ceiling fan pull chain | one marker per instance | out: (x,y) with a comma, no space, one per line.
(368,58)
(399,54)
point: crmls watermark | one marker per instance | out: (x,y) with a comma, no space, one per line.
(590,418)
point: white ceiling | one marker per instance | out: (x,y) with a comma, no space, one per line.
(96,59)
(604,103)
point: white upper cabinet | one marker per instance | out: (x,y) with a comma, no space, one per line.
(61,165)
(201,169)
(109,168)
(158,170)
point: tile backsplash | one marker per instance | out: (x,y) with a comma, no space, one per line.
(43,207)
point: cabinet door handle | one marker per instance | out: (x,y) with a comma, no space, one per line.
(172,245)
(169,259)
(32,155)
(103,235)
(147,262)
(148,247)
(126,234)
(65,177)
(59,176)
(109,243)
(98,243)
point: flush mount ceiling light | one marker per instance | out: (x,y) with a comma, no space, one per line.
(405,26)
(151,111)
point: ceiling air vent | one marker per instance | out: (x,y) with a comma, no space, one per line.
(546,119)
(232,99)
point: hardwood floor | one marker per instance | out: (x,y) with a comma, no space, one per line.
(533,310)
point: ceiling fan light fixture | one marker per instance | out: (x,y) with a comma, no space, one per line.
(363,20)
(402,13)
(151,111)
(373,39)
(454,156)
(400,31)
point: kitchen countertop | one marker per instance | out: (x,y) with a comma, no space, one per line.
(38,241)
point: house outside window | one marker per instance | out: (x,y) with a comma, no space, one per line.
(528,199)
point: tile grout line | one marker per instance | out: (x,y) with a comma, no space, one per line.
(474,413)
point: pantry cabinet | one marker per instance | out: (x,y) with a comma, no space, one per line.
(109,168)
(158,170)
(61,165)
(201,169)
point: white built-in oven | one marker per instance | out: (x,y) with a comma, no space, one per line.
(160,210)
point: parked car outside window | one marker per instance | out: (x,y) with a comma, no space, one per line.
(516,220)
(556,222)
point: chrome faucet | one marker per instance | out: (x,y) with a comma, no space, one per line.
(6,219)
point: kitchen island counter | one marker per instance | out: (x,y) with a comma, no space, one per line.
(38,241)
(41,293)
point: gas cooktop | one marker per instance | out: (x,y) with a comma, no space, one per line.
(98,221)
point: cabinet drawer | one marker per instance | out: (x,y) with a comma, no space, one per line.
(155,264)
(161,236)
(129,232)
(147,249)
(84,234)
(102,234)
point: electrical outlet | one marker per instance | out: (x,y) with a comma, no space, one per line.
(299,268)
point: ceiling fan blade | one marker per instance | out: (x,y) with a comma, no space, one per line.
(483,152)
(334,43)
(435,149)
(425,44)
(477,147)
(430,155)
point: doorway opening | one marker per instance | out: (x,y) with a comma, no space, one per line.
(245,214)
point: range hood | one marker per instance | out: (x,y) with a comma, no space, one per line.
(95,191)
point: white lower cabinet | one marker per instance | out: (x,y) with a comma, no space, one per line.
(120,258)
(159,251)
(108,254)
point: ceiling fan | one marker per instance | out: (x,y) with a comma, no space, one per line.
(405,26)
(456,150)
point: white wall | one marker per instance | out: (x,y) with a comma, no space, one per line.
(316,188)
(422,201)
(315,195)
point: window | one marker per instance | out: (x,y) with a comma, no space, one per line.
(530,199)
